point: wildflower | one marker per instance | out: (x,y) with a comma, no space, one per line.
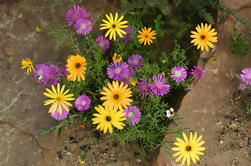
(83,103)
(82,125)
(160,87)
(114,25)
(38,29)
(116,58)
(115,69)
(75,13)
(144,86)
(132,115)
(204,36)
(246,76)
(83,26)
(102,42)
(26,63)
(146,36)
(63,72)
(81,159)
(57,116)
(188,150)
(128,34)
(133,80)
(198,72)
(76,66)
(59,98)
(117,96)
(125,76)
(242,87)
(135,61)
(169,113)
(41,73)
(108,117)
(179,74)
(53,75)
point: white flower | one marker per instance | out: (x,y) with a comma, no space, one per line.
(169,113)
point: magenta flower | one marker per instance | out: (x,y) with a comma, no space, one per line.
(53,75)
(246,76)
(114,70)
(144,86)
(135,61)
(179,74)
(83,26)
(124,76)
(102,42)
(242,87)
(132,115)
(63,72)
(127,36)
(56,114)
(198,72)
(83,103)
(75,13)
(41,73)
(160,86)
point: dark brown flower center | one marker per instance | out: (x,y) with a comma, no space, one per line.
(202,37)
(116,96)
(113,26)
(108,118)
(78,65)
(59,99)
(146,36)
(188,148)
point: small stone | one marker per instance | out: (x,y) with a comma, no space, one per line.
(59,155)
(115,144)
(221,142)
(97,134)
(138,160)
(104,150)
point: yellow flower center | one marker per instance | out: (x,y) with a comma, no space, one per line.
(118,70)
(78,65)
(188,148)
(59,99)
(83,102)
(248,76)
(202,37)
(108,118)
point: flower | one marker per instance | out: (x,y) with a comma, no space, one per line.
(144,86)
(246,76)
(117,96)
(26,63)
(133,114)
(127,36)
(160,87)
(125,76)
(76,66)
(59,98)
(83,26)
(116,58)
(114,26)
(146,36)
(179,74)
(106,118)
(63,72)
(198,72)
(242,87)
(75,13)
(203,37)
(83,103)
(169,113)
(81,159)
(53,75)
(133,81)
(56,115)
(135,61)
(41,73)
(188,150)
(102,42)
(115,69)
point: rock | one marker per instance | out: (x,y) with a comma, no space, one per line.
(97,134)
(9,50)
(249,141)
(85,147)
(59,155)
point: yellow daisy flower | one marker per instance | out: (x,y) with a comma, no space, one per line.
(59,99)
(146,36)
(188,149)
(116,58)
(204,37)
(114,25)
(76,66)
(26,63)
(106,118)
(81,159)
(117,96)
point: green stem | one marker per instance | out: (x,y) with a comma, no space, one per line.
(91,92)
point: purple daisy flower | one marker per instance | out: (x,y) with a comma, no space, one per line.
(160,86)
(179,74)
(198,72)
(144,86)
(115,69)
(75,13)
(83,26)
(124,76)
(242,87)
(132,115)
(83,103)
(127,36)
(56,114)
(41,73)
(246,76)
(135,61)
(53,75)
(102,42)
(63,72)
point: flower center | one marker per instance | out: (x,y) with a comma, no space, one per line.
(248,75)
(39,77)
(146,36)
(136,61)
(118,70)
(158,84)
(113,26)
(83,102)
(117,57)
(116,96)
(82,26)
(188,148)
(177,73)
(78,65)
(59,99)
(130,115)
(108,118)
(202,37)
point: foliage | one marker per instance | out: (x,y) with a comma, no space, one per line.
(178,28)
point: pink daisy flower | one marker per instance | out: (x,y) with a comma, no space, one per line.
(179,74)
(102,42)
(160,86)
(83,103)
(75,13)
(132,115)
(198,72)
(114,70)
(246,76)
(242,87)
(83,26)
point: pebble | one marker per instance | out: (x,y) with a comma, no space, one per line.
(249,141)
(221,142)
(59,155)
